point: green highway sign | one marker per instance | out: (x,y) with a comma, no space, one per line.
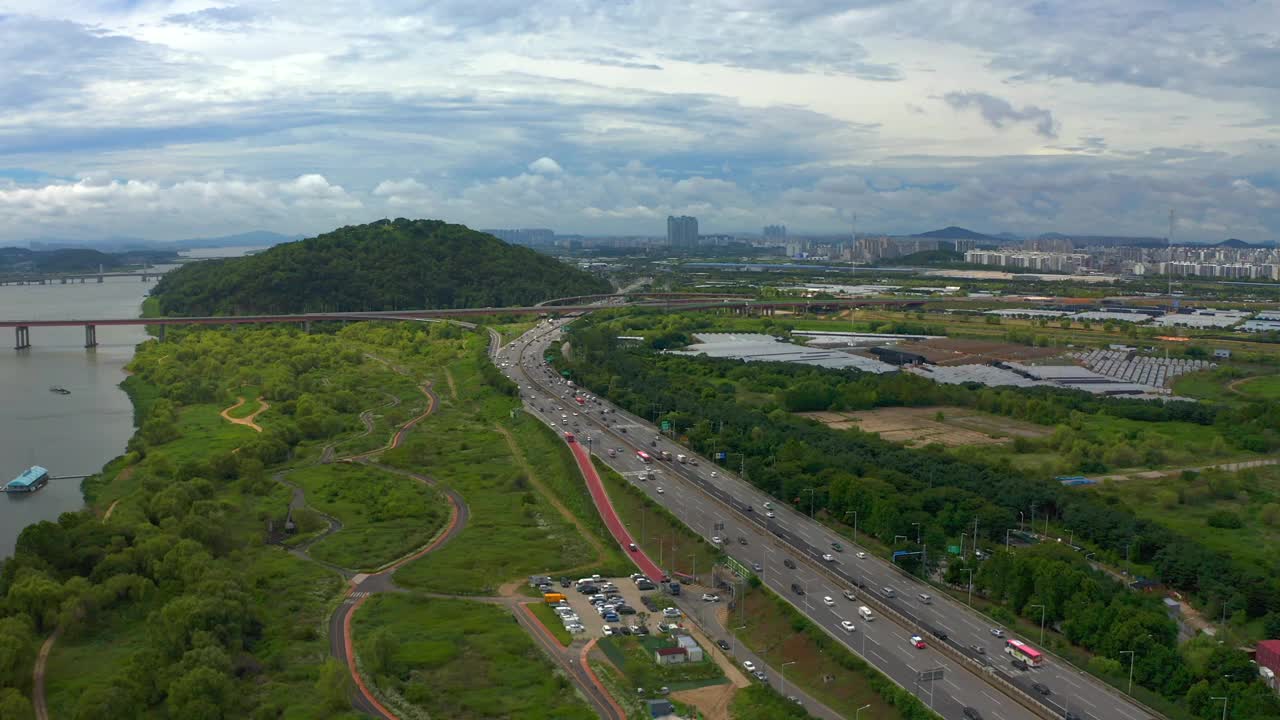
(666,425)
(953,549)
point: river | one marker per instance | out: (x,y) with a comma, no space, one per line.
(72,434)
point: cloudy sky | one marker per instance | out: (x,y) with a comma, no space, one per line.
(177,119)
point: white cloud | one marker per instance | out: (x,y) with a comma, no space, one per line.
(545,166)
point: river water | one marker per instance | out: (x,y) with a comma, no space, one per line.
(72,434)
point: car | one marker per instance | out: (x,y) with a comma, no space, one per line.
(713,474)
(789,563)
(847,626)
(795,699)
(1020,665)
(761,676)
(750,509)
(659,489)
(624,629)
(708,597)
(828,601)
(1068,715)
(768,506)
(1042,689)
(722,645)
(795,588)
(837,547)
(639,630)
(716,540)
(611,617)
(978,649)
(626,610)
(606,631)
(828,557)
(862,556)
(742,540)
(997,632)
(671,612)
(757,567)
(917,641)
(748,666)
(564,582)
(971,714)
(771,514)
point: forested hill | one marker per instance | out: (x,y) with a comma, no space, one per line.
(386,265)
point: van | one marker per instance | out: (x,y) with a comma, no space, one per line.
(924,598)
(888,592)
(553,598)
(865,612)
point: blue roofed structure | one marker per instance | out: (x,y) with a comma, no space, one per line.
(32,479)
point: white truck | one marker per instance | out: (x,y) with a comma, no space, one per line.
(866,614)
(681,457)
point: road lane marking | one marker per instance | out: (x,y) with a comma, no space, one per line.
(991,697)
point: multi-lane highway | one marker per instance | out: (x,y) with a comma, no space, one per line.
(787,551)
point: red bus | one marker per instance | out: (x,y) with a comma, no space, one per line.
(568,437)
(1024,652)
(644,457)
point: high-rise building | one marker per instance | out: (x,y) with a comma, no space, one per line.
(775,232)
(682,231)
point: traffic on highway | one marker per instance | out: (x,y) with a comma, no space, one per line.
(952,658)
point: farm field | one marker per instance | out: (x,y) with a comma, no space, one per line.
(1260,388)
(949,426)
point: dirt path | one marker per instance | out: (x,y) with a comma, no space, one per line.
(249,420)
(453,388)
(110,509)
(1234,385)
(712,701)
(37,677)
(546,493)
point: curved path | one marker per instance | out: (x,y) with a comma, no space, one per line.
(37,677)
(248,420)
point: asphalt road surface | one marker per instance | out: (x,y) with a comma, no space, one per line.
(704,495)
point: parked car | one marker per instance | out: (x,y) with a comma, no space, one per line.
(748,666)
(671,612)
(761,676)
(722,645)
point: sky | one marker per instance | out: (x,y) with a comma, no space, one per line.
(166,120)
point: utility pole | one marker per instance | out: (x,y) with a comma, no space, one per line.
(917,532)
(1223,699)
(1042,614)
(970,571)
(784,676)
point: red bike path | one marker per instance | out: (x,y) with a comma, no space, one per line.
(610,516)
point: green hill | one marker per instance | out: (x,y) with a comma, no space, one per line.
(386,265)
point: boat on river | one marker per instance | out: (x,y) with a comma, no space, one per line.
(31,480)
(59,389)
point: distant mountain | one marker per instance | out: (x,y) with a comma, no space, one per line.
(956,233)
(67,260)
(386,265)
(1081,241)
(1007,236)
(1233,243)
(253,238)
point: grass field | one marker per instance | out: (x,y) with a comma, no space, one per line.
(1252,496)
(79,662)
(663,537)
(513,532)
(773,632)
(250,405)
(1262,388)
(384,516)
(917,426)
(461,660)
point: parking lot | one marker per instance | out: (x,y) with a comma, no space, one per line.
(592,621)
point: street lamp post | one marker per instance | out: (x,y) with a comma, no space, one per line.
(917,532)
(970,571)
(693,560)
(1022,520)
(1132,656)
(1224,706)
(1042,614)
(811,493)
(784,676)
(859,710)
(735,639)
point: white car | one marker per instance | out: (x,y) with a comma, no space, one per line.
(713,474)
(862,556)
(671,612)
(708,597)
(607,631)
(716,540)
(847,626)
(771,514)
(748,666)
(828,601)
(828,557)
(659,489)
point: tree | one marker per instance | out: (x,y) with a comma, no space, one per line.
(383,646)
(14,704)
(334,685)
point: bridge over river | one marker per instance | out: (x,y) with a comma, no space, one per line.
(677,302)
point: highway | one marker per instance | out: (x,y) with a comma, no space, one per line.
(704,495)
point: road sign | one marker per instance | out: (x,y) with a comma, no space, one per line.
(953,549)
(666,425)
(929,675)
(722,455)
(738,567)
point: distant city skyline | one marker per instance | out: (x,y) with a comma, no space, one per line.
(164,120)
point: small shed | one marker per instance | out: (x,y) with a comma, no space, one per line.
(670,655)
(660,709)
(691,647)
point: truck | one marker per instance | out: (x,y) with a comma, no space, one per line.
(666,455)
(865,613)
(681,457)
(553,598)
(673,588)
